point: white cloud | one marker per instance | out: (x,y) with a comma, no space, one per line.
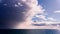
(57,11)
(18,5)
(51,19)
(41,17)
(34,8)
(51,22)
(24,0)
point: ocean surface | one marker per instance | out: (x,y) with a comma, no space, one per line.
(44,31)
(31,31)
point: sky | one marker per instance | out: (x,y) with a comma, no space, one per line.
(51,6)
(52,11)
(43,11)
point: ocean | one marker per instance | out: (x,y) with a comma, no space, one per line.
(31,31)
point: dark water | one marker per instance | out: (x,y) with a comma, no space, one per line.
(43,31)
(31,31)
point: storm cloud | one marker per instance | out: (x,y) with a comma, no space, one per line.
(19,10)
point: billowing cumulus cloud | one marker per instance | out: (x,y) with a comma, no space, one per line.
(34,9)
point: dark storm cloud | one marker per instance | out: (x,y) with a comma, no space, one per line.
(18,10)
(12,10)
(8,10)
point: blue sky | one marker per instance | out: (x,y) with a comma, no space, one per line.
(52,11)
(50,6)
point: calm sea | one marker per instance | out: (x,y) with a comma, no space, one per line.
(31,31)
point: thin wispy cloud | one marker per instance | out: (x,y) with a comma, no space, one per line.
(51,19)
(57,11)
